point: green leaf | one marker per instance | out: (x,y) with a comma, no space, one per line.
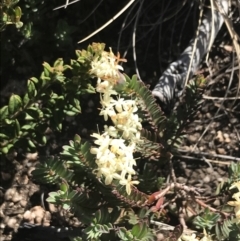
(64,187)
(66,206)
(58,62)
(34,112)
(15,104)
(34,80)
(26,99)
(17,128)
(10,146)
(3,136)
(8,121)
(28,127)
(70,113)
(31,89)
(44,140)
(77,104)
(4,150)
(47,69)
(3,112)
(31,144)
(18,13)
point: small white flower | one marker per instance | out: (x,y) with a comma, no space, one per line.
(128,183)
(236,203)
(106,67)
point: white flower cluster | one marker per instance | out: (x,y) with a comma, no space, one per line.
(236,203)
(114,154)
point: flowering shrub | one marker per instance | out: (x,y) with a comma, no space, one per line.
(113,185)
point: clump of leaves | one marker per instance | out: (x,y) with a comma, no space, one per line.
(48,99)
(10,14)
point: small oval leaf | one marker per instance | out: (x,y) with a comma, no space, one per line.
(31,89)
(31,144)
(3,112)
(17,128)
(15,104)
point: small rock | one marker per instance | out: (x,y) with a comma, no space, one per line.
(23,180)
(38,220)
(227,139)
(207,179)
(32,156)
(23,203)
(2,226)
(219,138)
(12,223)
(27,215)
(209,170)
(181,179)
(38,211)
(217,203)
(160,237)
(5,176)
(46,224)
(9,194)
(194,137)
(16,197)
(52,208)
(10,204)
(221,151)
(220,179)
(209,115)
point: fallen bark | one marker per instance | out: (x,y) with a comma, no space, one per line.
(172,82)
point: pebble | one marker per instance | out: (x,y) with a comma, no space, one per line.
(194,137)
(9,193)
(27,215)
(12,223)
(16,197)
(2,226)
(23,180)
(207,179)
(219,137)
(217,203)
(221,151)
(209,170)
(10,204)
(23,203)
(5,176)
(32,156)
(181,179)
(209,115)
(227,139)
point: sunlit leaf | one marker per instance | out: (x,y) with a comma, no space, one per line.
(15,104)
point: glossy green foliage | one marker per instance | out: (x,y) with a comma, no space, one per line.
(46,103)
(10,14)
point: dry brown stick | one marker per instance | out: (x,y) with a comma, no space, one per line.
(204,159)
(219,98)
(177,186)
(232,158)
(202,204)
